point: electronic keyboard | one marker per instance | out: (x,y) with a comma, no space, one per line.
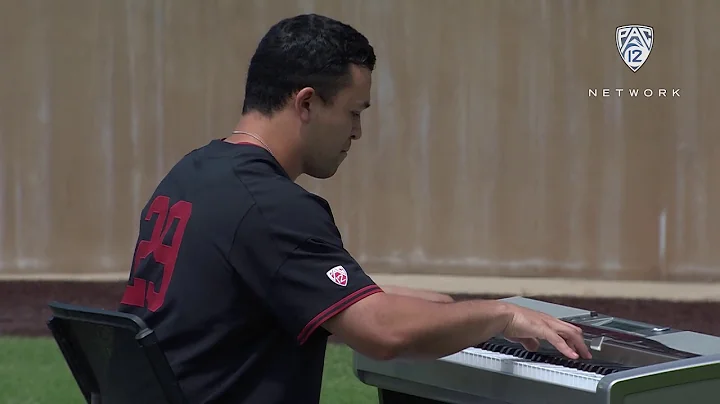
(633,363)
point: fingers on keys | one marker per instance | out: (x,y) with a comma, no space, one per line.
(568,339)
(575,338)
(561,345)
(582,349)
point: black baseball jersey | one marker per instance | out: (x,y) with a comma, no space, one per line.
(236,268)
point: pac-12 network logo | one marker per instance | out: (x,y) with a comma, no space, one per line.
(634,42)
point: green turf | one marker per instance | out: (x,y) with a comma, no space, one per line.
(32,371)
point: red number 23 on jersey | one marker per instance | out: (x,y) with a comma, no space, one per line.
(142,291)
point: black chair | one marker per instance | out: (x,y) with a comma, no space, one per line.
(114,357)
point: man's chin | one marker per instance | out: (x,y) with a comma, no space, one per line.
(326,172)
(322,174)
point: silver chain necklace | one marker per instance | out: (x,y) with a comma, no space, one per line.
(254,136)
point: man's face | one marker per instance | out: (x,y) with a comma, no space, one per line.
(333,127)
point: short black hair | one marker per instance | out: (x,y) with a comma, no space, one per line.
(308,50)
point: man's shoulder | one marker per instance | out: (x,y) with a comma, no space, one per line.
(235,170)
(287,203)
(253,183)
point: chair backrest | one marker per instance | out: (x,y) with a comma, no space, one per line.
(114,357)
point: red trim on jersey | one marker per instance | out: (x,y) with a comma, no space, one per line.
(336,308)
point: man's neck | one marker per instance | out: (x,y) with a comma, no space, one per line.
(269,134)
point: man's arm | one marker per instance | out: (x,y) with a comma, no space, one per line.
(309,280)
(413,293)
(417,293)
(385,326)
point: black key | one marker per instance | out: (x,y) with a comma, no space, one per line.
(544,355)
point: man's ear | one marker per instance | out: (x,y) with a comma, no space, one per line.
(303,102)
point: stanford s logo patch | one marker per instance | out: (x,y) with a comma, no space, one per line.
(338,275)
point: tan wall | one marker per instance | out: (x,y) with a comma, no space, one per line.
(483,153)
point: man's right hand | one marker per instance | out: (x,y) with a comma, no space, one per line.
(528,327)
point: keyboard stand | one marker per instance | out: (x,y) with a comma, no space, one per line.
(394,397)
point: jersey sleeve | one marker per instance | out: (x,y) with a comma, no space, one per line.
(300,267)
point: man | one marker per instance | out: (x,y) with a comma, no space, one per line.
(243,274)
